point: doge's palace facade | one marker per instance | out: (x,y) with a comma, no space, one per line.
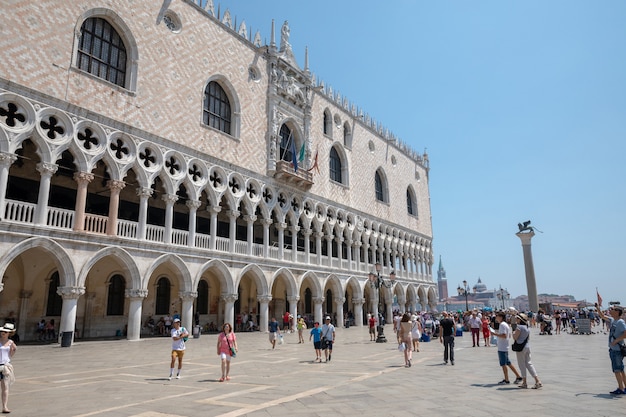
(156,157)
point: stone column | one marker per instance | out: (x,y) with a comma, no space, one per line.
(329,249)
(294,243)
(6,160)
(192,205)
(135,308)
(82,179)
(293,310)
(70,297)
(281,239)
(389,313)
(339,240)
(186,313)
(46,171)
(229,308)
(358,311)
(318,302)
(318,246)
(307,245)
(169,199)
(21,324)
(232,229)
(213,210)
(401,303)
(266,237)
(339,309)
(114,203)
(250,219)
(531,284)
(366,255)
(349,253)
(264,302)
(144,193)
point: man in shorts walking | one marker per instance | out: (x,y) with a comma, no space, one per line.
(179,334)
(328,338)
(504,334)
(617,335)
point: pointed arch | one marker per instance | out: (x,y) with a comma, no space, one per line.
(130,267)
(221,106)
(183,271)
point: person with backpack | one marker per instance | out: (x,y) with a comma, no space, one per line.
(179,336)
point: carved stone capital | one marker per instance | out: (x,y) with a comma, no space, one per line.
(115,185)
(214,209)
(292,298)
(233,214)
(83,177)
(318,300)
(230,298)
(25,294)
(136,293)
(193,204)
(7,159)
(358,301)
(47,169)
(250,218)
(169,198)
(339,300)
(264,298)
(188,295)
(144,192)
(70,292)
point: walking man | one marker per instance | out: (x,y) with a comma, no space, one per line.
(274,331)
(446,336)
(328,338)
(504,334)
(178,347)
(617,334)
(475,324)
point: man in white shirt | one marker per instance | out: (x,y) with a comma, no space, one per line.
(179,334)
(503,334)
(475,325)
(328,338)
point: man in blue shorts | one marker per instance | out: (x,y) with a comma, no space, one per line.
(617,334)
(504,334)
(316,334)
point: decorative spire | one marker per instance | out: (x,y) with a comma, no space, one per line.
(306,59)
(273,36)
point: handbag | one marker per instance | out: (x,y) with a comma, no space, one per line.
(623,349)
(518,347)
(401,347)
(231,349)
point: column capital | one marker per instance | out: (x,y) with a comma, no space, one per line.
(307,232)
(229,298)
(281,225)
(214,209)
(25,294)
(292,298)
(358,301)
(339,299)
(318,300)
(116,185)
(318,234)
(250,218)
(233,214)
(267,222)
(264,298)
(7,158)
(70,292)
(136,293)
(83,177)
(193,204)
(47,169)
(188,295)
(525,237)
(295,229)
(144,192)
(169,198)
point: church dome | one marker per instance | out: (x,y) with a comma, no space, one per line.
(479,287)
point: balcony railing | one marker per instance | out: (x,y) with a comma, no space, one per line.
(62,219)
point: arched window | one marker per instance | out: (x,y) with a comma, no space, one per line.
(55,302)
(347,135)
(202,302)
(329,301)
(335,166)
(308,301)
(411,204)
(115,301)
(286,153)
(163,296)
(217,112)
(328,122)
(101,51)
(380,187)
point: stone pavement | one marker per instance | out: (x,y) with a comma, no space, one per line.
(121,378)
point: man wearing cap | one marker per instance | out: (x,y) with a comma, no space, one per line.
(617,334)
(504,334)
(178,347)
(328,338)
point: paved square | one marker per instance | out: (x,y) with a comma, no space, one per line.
(121,378)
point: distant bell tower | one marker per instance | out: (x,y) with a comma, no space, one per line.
(442,282)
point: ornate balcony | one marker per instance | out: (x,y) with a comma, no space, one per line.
(285,172)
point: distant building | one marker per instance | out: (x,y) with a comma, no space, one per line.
(442,282)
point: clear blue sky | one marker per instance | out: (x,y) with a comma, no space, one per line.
(521,106)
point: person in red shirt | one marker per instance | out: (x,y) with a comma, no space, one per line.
(286,322)
(372,325)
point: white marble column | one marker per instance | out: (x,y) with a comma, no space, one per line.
(318,246)
(250,219)
(82,179)
(114,203)
(281,239)
(70,297)
(135,308)
(264,302)
(169,200)
(21,324)
(318,302)
(266,237)
(192,205)
(213,211)
(349,253)
(46,171)
(294,243)
(144,193)
(293,309)
(232,229)
(229,308)
(186,313)
(338,301)
(6,160)
(358,311)
(307,245)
